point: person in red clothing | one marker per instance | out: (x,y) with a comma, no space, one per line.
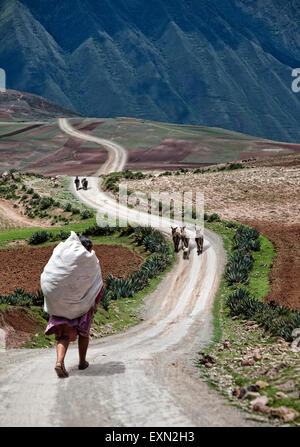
(66,330)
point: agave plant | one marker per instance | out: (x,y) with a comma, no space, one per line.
(255,245)
(236,275)
(105,299)
(22,298)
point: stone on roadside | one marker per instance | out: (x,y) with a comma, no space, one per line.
(285,413)
(281,341)
(250,395)
(262,371)
(207,359)
(261,384)
(260,400)
(257,355)
(260,404)
(261,408)
(247,362)
(288,386)
(281,395)
(294,395)
(227,344)
(254,388)
(236,391)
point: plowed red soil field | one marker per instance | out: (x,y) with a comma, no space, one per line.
(22,267)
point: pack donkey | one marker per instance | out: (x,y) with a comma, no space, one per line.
(176,238)
(199,240)
(185,243)
(185,239)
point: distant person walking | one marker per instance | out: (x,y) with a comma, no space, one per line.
(77,183)
(72,285)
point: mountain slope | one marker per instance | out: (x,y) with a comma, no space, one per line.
(25,106)
(225,64)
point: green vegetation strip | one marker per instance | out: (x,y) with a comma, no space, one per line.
(17,234)
(250,349)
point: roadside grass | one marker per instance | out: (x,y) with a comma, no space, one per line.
(15,234)
(227,237)
(278,368)
(259,284)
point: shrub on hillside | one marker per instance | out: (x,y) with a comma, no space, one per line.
(233,166)
(86,214)
(213,218)
(39,237)
(68,207)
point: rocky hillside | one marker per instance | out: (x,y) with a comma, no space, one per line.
(20,106)
(207,62)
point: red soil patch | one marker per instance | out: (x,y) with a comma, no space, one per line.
(284,275)
(170,149)
(16,132)
(22,267)
(169,155)
(18,325)
(90,127)
(72,158)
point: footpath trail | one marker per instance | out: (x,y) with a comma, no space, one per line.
(144,377)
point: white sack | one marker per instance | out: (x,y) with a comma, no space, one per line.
(72,279)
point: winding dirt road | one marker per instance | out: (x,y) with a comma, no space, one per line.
(144,377)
